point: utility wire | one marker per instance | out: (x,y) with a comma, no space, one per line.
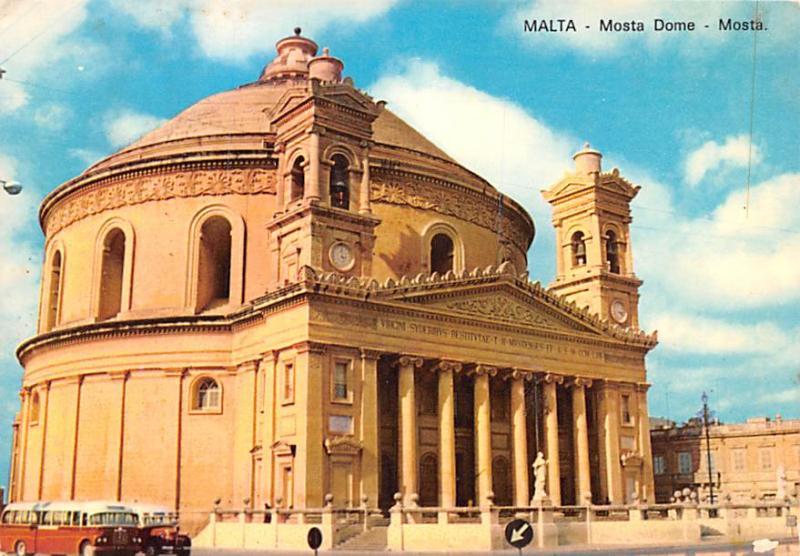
(45,28)
(756,17)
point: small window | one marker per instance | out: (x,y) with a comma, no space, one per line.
(442,253)
(288,382)
(298,180)
(34,414)
(765,459)
(578,249)
(612,252)
(684,463)
(341,389)
(627,419)
(713,462)
(659,465)
(339,183)
(54,295)
(207,395)
(111,274)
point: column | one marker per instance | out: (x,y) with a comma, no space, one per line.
(483,432)
(312,184)
(519,438)
(363,200)
(408,426)
(447,434)
(24,396)
(370,464)
(309,460)
(44,404)
(580,433)
(647,484)
(613,466)
(269,364)
(551,434)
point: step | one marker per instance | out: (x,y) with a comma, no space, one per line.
(374,539)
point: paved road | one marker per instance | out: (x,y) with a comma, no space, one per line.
(786,548)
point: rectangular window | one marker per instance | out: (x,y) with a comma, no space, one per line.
(706,462)
(684,463)
(739,459)
(659,465)
(627,419)
(341,424)
(288,382)
(341,390)
(765,459)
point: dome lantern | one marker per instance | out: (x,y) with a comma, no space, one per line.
(294,54)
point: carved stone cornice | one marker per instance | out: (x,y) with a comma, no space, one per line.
(311,347)
(118,376)
(409,361)
(643,387)
(137,188)
(343,445)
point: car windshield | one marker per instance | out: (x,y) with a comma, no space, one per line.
(113,518)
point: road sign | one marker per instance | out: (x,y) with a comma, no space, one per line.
(519,533)
(314,538)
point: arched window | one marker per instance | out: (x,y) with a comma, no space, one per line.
(214,271)
(34,411)
(339,183)
(578,249)
(612,252)
(298,179)
(207,395)
(54,295)
(442,253)
(428,480)
(111,274)
(501,481)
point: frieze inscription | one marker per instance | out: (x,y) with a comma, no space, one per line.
(158,188)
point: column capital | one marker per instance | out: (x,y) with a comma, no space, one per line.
(521,374)
(369,353)
(643,387)
(313,347)
(247,366)
(580,382)
(409,360)
(480,370)
(550,378)
(448,366)
(270,356)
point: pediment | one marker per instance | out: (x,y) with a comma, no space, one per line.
(346,96)
(507,306)
(287,102)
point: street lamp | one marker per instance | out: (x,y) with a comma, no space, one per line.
(706,422)
(11,187)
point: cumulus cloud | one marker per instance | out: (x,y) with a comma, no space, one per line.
(492,136)
(735,152)
(237,29)
(122,127)
(593,42)
(52,116)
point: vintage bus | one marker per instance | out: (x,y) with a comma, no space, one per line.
(160,531)
(84,528)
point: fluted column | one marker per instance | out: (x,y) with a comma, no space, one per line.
(551,434)
(363,201)
(408,426)
(312,187)
(611,443)
(370,422)
(483,432)
(520,438)
(580,433)
(647,483)
(447,434)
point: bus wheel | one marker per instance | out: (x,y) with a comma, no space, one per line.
(20,549)
(86,549)
(150,550)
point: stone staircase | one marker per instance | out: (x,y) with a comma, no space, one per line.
(371,540)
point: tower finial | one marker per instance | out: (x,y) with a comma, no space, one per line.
(297,31)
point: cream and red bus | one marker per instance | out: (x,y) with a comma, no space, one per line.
(84,528)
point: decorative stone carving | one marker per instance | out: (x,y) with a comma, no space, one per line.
(142,189)
(466,205)
(501,308)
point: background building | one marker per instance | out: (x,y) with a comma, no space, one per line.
(286,291)
(748,460)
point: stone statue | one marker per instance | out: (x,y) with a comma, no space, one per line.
(540,474)
(780,479)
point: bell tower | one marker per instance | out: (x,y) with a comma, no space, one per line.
(594,260)
(323,133)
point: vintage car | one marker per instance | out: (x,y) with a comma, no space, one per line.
(160,531)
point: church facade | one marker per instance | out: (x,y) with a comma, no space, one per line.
(287,292)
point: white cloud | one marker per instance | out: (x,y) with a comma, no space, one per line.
(122,127)
(35,35)
(52,116)
(237,29)
(87,156)
(735,152)
(492,136)
(683,332)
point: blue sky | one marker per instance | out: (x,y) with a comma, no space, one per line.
(672,111)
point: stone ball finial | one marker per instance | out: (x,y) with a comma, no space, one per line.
(397,497)
(297,31)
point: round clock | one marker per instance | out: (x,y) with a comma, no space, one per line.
(618,311)
(341,256)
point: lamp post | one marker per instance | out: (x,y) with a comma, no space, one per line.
(708,448)
(11,187)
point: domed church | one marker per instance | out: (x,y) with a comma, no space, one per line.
(287,292)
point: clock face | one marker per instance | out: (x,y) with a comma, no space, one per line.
(618,311)
(341,256)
